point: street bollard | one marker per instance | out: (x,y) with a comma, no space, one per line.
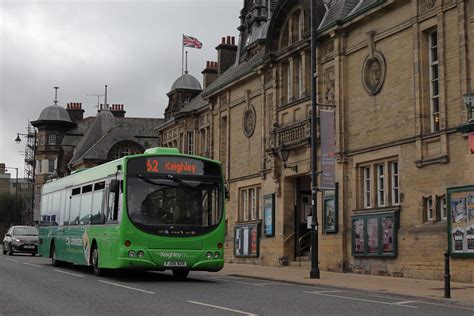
(447,277)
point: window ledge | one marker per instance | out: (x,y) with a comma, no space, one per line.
(377,210)
(432,161)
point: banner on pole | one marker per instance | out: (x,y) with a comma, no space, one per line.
(328,148)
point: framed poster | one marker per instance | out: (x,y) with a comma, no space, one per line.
(460,202)
(330,211)
(269,215)
(247,240)
(375,235)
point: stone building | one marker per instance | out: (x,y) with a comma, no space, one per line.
(394,75)
(68,141)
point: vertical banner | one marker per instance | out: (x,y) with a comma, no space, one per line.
(328,148)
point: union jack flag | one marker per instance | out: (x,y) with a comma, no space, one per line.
(193,42)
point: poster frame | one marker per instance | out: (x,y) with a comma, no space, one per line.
(249,227)
(468,189)
(269,207)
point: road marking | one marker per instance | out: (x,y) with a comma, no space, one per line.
(446,305)
(69,273)
(223,308)
(360,299)
(324,292)
(127,287)
(12,260)
(31,264)
(404,302)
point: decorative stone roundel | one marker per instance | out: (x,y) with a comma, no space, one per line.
(373,73)
(249,120)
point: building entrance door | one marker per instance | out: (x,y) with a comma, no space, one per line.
(304,217)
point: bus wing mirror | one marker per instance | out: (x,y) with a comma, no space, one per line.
(114,186)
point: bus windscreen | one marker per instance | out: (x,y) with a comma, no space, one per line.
(174,196)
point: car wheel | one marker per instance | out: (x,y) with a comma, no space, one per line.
(4,250)
(55,262)
(10,250)
(95,262)
(180,274)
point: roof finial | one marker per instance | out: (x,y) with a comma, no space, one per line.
(56,95)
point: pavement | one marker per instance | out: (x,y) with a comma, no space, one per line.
(460,292)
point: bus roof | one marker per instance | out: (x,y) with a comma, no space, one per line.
(109,169)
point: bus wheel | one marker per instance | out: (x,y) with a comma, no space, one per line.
(55,262)
(95,262)
(180,274)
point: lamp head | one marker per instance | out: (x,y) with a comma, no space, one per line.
(17,139)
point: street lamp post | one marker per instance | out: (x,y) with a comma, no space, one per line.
(314,273)
(32,138)
(16,188)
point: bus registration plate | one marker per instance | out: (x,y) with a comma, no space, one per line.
(175,264)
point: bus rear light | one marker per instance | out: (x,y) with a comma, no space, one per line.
(131,253)
(209,255)
(140,254)
(216,255)
(127,243)
(219,245)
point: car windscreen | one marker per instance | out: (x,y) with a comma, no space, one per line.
(25,231)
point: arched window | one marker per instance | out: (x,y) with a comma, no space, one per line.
(125,148)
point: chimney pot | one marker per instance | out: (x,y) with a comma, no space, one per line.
(228,40)
(223,40)
(233,40)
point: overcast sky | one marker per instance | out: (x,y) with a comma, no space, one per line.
(132,46)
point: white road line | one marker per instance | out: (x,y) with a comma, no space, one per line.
(69,273)
(127,287)
(12,260)
(324,292)
(33,265)
(361,299)
(241,282)
(446,305)
(404,302)
(223,308)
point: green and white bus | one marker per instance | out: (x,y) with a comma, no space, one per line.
(160,210)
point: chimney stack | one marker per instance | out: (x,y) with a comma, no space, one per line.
(117,110)
(209,74)
(76,113)
(226,54)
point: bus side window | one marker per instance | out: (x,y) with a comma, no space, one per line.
(97,216)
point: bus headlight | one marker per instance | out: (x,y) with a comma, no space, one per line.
(140,254)
(209,255)
(131,253)
(216,255)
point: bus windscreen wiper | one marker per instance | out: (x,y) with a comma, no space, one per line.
(147,180)
(181,182)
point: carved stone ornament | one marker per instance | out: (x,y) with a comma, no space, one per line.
(373,73)
(249,120)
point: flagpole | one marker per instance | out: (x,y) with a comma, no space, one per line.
(182,55)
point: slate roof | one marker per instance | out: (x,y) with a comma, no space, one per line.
(234,72)
(186,81)
(340,10)
(107,130)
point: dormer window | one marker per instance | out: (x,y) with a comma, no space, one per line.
(294,29)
